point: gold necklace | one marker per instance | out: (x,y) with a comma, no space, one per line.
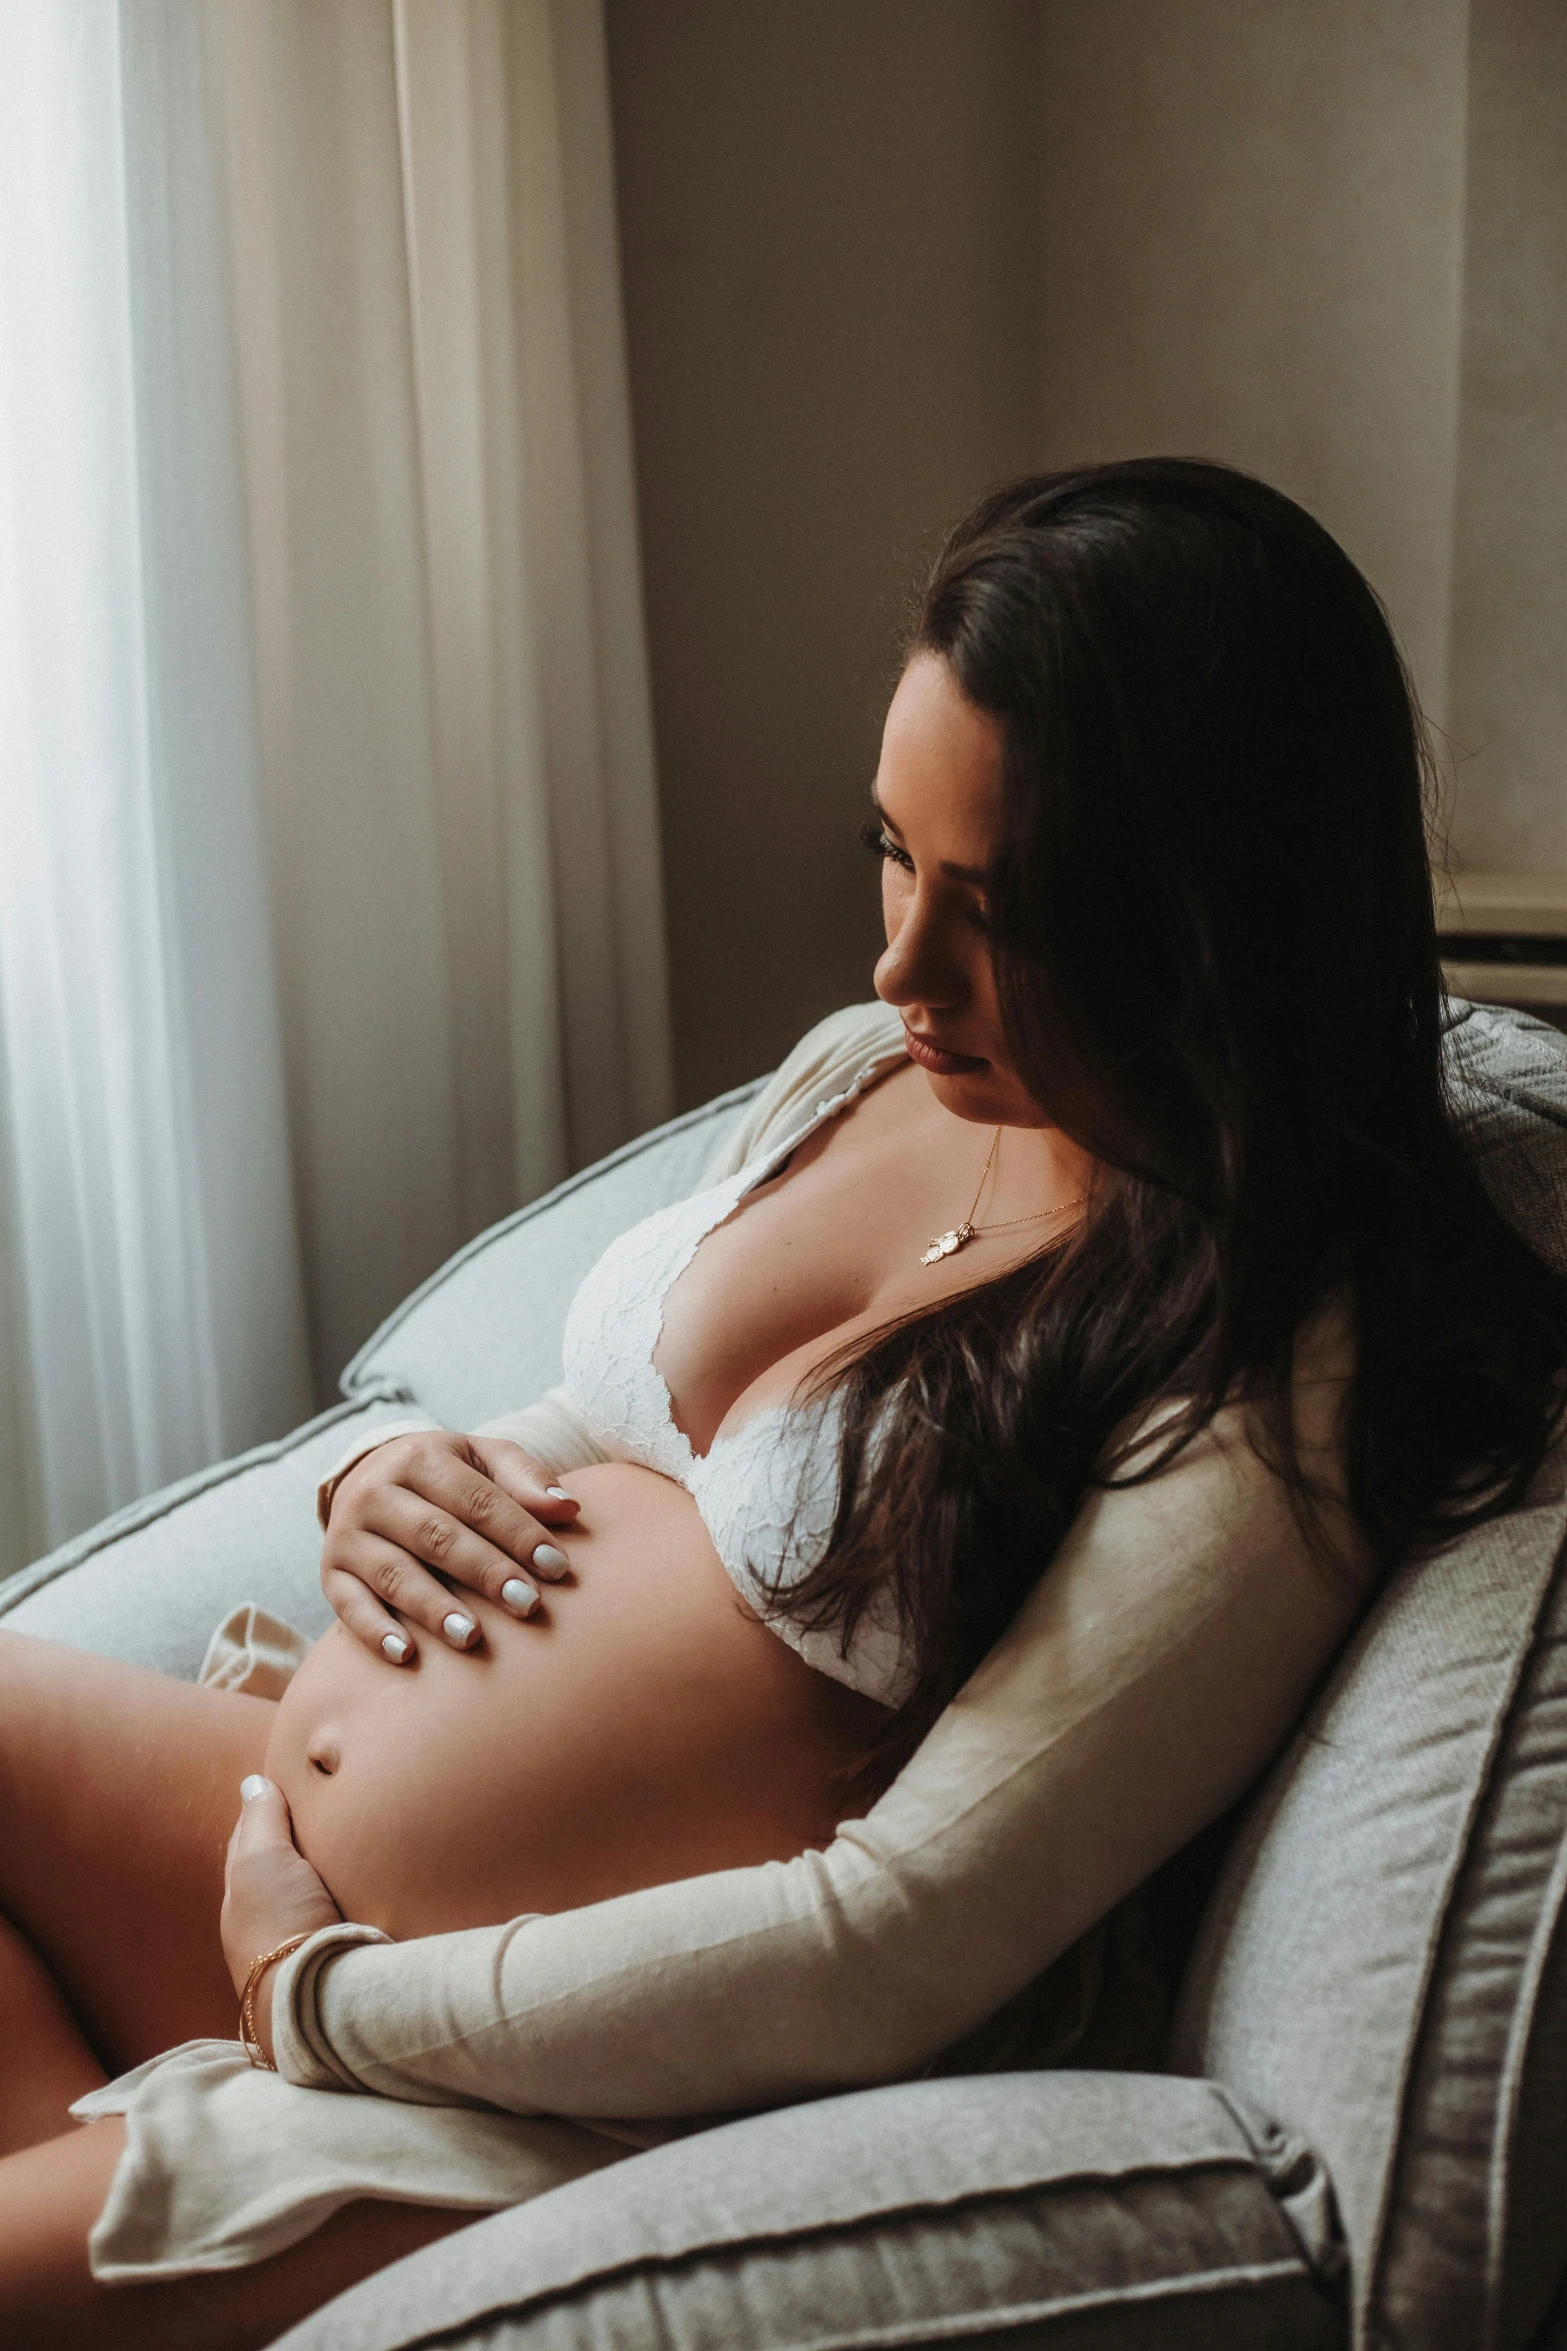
(948,1244)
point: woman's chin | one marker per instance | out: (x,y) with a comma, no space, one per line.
(986,1096)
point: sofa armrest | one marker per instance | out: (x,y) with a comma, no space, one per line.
(1123,2209)
(151,1584)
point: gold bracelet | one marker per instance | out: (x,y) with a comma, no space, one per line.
(247,2014)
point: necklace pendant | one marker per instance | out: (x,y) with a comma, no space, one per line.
(947,1244)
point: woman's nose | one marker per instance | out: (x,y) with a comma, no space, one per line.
(917,966)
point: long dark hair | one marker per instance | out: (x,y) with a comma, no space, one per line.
(1218,970)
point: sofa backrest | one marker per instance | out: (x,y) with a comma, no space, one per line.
(1384,1965)
(482,1335)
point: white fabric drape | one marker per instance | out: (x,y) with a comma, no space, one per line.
(449,631)
(456,738)
(155,1316)
(323,704)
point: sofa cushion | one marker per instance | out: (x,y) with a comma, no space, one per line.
(150,1584)
(1383,1966)
(1074,2209)
(1506,1076)
(482,1335)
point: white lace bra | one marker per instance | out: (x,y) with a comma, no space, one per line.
(768,1492)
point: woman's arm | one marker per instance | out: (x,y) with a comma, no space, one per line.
(1147,1681)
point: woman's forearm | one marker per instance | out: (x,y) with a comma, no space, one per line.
(1144,1685)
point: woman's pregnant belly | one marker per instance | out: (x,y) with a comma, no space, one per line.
(642,1726)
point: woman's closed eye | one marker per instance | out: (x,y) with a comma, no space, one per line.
(875,837)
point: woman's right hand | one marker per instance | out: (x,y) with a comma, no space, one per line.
(478,1509)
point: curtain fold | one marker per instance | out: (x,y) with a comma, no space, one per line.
(455,721)
(151,1263)
(330,913)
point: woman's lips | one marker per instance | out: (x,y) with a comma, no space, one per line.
(937,1060)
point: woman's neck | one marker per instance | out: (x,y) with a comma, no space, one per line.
(1031,1168)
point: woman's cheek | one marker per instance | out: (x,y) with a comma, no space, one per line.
(895,886)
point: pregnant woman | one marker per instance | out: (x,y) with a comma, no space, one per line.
(945,1515)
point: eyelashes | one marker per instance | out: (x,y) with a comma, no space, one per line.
(873,836)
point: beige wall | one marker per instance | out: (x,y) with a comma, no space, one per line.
(829,229)
(1508,707)
(879,252)
(1253,251)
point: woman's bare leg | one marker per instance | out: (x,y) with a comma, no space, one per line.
(49,2199)
(45,2065)
(118,1789)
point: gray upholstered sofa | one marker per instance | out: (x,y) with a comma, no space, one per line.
(1361,2136)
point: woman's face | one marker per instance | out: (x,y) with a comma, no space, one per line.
(938,795)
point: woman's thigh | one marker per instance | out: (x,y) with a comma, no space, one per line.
(49,2198)
(118,1789)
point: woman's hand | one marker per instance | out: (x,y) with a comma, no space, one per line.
(479,1509)
(270,1894)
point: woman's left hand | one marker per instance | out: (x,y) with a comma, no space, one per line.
(270,1893)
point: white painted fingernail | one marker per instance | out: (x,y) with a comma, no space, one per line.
(459,1629)
(548,1560)
(557,1493)
(251,1786)
(519,1595)
(396,1648)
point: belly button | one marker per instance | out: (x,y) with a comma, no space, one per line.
(324,1754)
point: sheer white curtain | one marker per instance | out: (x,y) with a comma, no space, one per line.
(457,746)
(154,1311)
(330,917)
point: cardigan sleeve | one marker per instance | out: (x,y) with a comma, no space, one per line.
(1143,1686)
